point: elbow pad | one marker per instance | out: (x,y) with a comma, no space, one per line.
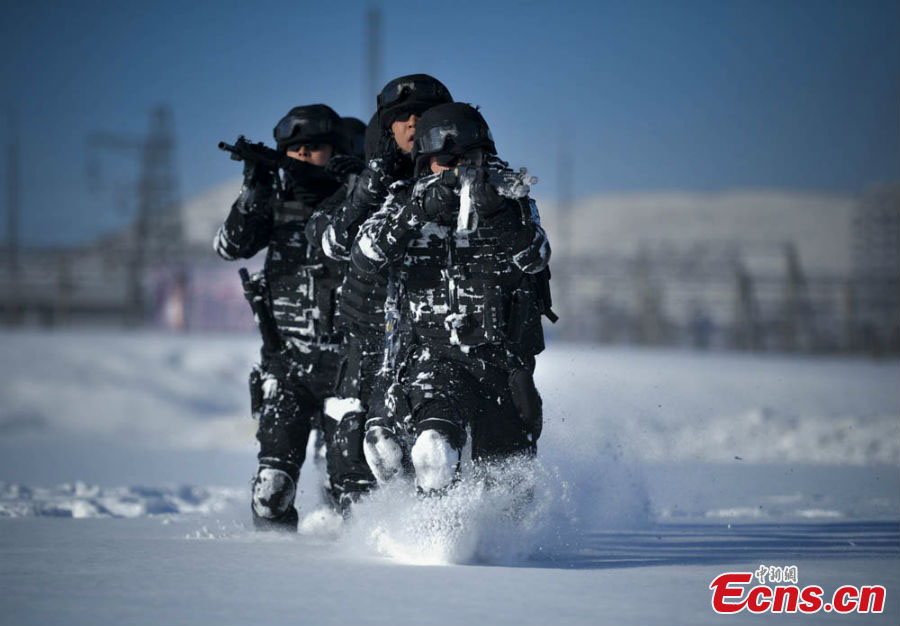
(315,229)
(366,255)
(223,246)
(536,255)
(333,246)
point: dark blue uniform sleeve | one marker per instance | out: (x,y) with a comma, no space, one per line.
(534,256)
(382,239)
(247,228)
(524,237)
(366,195)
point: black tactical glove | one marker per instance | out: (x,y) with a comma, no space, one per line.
(485,199)
(370,188)
(389,152)
(315,229)
(439,203)
(257,176)
(257,191)
(341,166)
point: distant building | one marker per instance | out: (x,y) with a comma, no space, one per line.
(95,284)
(743,269)
(875,300)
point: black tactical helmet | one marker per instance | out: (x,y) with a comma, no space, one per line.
(313,123)
(450,129)
(354,136)
(410,94)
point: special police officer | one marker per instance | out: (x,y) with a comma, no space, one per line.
(290,384)
(472,257)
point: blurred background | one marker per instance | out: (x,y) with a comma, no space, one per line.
(713,175)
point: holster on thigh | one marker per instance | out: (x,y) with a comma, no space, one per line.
(527,401)
(256,392)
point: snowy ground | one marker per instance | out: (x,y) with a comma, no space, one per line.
(125,461)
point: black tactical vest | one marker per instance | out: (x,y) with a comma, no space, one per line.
(464,289)
(302,280)
(361,307)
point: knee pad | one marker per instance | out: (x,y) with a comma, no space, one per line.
(435,460)
(273,493)
(383,453)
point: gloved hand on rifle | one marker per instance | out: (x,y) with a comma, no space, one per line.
(486,201)
(258,176)
(439,202)
(387,150)
(258,188)
(315,228)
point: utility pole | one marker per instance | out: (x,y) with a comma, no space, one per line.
(797,328)
(372,81)
(746,330)
(158,233)
(12,225)
(132,251)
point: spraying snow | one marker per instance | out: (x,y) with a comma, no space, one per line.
(498,514)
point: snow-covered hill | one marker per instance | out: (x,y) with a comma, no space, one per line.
(818,223)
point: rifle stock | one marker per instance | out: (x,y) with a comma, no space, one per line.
(255,153)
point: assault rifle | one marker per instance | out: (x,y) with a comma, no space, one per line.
(508,183)
(255,153)
(256,292)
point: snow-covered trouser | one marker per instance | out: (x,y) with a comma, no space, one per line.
(346,413)
(348,473)
(362,354)
(441,391)
(288,390)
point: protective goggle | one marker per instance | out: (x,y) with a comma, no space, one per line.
(464,135)
(412,89)
(295,126)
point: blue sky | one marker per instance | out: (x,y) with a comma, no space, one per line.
(646,95)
